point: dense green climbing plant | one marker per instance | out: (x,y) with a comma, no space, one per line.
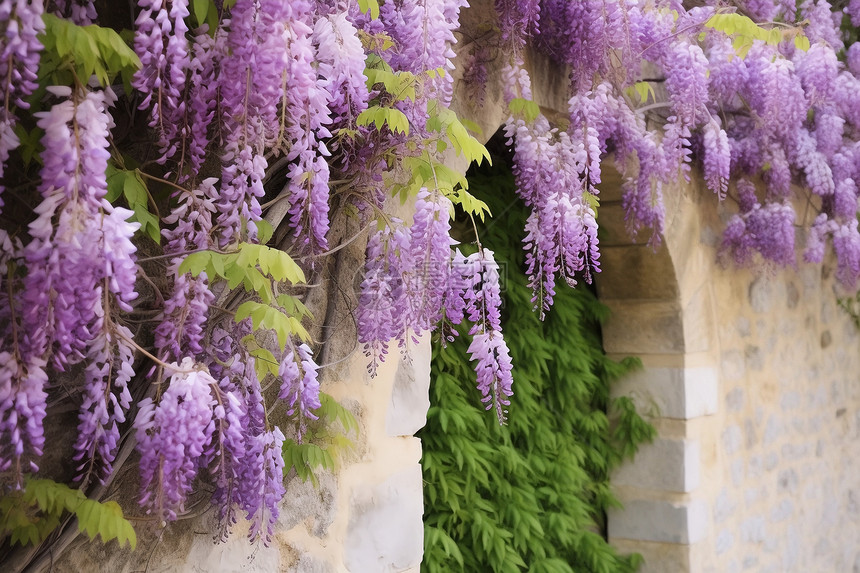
(531,495)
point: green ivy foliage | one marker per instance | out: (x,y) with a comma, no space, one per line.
(531,495)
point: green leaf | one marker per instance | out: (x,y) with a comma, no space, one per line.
(264,231)
(371,6)
(195,263)
(644,90)
(382,116)
(801,42)
(201,10)
(92,50)
(527,109)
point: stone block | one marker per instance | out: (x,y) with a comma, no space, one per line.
(753,530)
(385,532)
(643,327)
(765,292)
(735,400)
(636,272)
(410,397)
(733,365)
(725,540)
(664,465)
(773,430)
(698,322)
(732,439)
(680,393)
(661,521)
(787,481)
(724,506)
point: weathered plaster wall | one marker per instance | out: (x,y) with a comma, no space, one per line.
(753,380)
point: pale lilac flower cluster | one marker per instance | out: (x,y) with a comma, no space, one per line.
(198,108)
(23,402)
(300,388)
(718,158)
(483,302)
(430,244)
(172,437)
(250,82)
(181,328)
(382,303)
(822,22)
(518,21)
(81,12)
(106,399)
(423,32)
(20,24)
(250,478)
(552,171)
(61,257)
(270,484)
(584,34)
(80,267)
(306,117)
(407,277)
(588,116)
(161,44)
(766,229)
(200,423)
(341,63)
(846,245)
(686,69)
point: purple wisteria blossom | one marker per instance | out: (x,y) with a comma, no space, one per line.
(383,305)
(766,229)
(20,24)
(106,400)
(81,12)
(718,158)
(161,43)
(518,21)
(430,246)
(299,386)
(172,437)
(180,331)
(306,117)
(488,347)
(551,170)
(250,82)
(81,270)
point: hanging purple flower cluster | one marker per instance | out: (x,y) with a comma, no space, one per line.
(777,113)
(561,232)
(181,329)
(305,117)
(80,262)
(407,277)
(20,24)
(482,302)
(299,386)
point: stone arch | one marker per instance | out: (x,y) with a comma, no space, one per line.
(661,312)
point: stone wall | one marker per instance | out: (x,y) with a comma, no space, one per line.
(753,381)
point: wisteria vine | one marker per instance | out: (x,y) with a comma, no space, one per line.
(280,114)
